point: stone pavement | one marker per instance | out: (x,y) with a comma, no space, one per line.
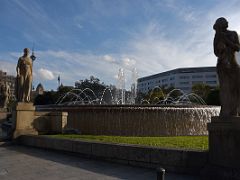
(26,163)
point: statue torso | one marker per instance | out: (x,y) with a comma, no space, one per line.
(25,65)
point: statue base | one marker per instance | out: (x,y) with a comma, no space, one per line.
(24,116)
(3,114)
(224,146)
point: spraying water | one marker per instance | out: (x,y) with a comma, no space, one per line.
(121,86)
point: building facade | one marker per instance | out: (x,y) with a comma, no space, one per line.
(10,80)
(181,78)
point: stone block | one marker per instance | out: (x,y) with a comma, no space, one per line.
(81,147)
(120,151)
(142,164)
(196,159)
(224,138)
(3,115)
(22,106)
(50,122)
(103,150)
(139,153)
(167,157)
(62,144)
(23,117)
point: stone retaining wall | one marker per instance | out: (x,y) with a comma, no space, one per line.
(137,120)
(181,161)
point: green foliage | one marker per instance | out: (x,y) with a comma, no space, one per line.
(209,94)
(201,90)
(139,97)
(213,97)
(155,95)
(49,97)
(183,142)
(92,83)
(98,88)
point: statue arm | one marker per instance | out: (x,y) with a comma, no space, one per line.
(18,67)
(234,45)
(217,51)
(237,44)
(215,47)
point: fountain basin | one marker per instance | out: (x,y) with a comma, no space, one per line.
(135,120)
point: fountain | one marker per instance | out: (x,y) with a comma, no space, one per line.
(133,94)
(176,113)
(171,116)
(121,86)
(135,120)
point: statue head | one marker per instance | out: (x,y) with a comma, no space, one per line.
(220,24)
(26,51)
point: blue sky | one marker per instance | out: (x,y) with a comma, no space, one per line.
(79,38)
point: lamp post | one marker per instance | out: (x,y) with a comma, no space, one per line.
(33,57)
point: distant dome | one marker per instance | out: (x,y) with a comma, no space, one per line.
(40,89)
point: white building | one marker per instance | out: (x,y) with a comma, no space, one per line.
(182,78)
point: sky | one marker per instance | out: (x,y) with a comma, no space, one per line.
(79,38)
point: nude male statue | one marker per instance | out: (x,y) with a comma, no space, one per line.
(24,77)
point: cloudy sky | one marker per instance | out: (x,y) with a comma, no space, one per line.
(79,38)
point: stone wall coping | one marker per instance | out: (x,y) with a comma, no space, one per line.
(174,160)
(224,123)
(25,106)
(55,113)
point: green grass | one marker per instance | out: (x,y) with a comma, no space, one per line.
(179,142)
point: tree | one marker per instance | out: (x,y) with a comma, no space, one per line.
(49,97)
(156,95)
(96,90)
(213,97)
(201,90)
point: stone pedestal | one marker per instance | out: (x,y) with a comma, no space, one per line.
(224,142)
(3,114)
(24,116)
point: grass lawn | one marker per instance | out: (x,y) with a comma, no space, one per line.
(180,142)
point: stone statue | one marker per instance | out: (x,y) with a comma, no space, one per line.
(226,44)
(1,95)
(6,94)
(24,77)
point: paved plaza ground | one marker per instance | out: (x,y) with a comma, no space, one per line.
(26,163)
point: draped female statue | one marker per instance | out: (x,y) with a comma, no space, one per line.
(226,44)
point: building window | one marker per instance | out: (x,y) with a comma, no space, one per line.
(197,82)
(197,76)
(172,78)
(211,82)
(164,80)
(211,76)
(184,83)
(184,77)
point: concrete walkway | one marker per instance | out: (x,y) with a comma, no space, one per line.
(26,163)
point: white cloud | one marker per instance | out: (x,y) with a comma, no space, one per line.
(154,46)
(46,74)
(8,67)
(180,9)
(128,62)
(108,58)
